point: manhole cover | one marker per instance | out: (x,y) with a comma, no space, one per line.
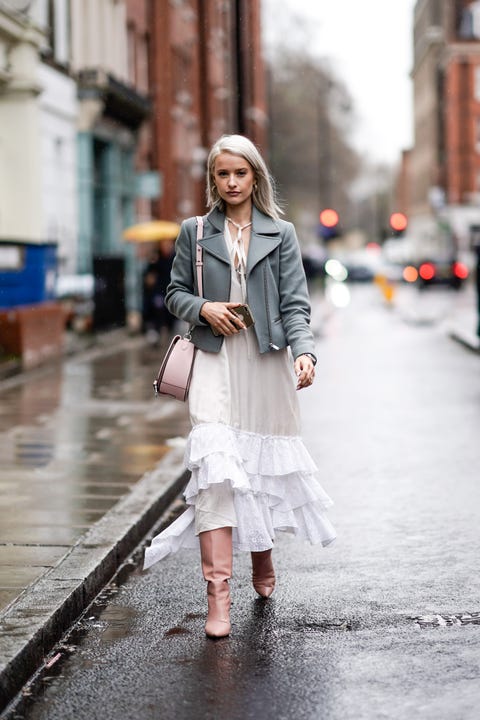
(466,618)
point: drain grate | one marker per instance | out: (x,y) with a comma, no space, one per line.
(425,621)
(341,624)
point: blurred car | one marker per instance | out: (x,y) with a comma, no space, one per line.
(313,259)
(362,264)
(449,272)
(358,272)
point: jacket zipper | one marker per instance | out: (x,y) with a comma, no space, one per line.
(271,345)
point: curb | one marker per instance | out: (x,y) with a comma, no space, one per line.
(467,339)
(33,624)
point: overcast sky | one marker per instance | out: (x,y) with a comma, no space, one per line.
(369,45)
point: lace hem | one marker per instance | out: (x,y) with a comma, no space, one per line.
(274,486)
(279,467)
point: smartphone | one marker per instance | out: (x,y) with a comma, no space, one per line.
(244,312)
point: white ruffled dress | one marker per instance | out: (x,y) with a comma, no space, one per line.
(249,467)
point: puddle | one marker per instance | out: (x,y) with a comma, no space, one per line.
(177,630)
(119,621)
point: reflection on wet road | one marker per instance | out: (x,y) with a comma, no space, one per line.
(73,440)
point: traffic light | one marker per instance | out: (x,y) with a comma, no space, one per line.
(328,227)
(398,224)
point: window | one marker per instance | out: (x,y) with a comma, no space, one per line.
(477,135)
(132,55)
(58,24)
(476,83)
(468,19)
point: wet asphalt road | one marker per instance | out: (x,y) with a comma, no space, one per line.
(369,628)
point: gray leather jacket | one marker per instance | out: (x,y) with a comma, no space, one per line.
(276,287)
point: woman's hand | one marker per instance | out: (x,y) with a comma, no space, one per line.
(220,317)
(304,370)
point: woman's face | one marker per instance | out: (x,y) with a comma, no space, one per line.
(234,178)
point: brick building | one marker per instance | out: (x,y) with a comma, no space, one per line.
(207,78)
(107,111)
(138,73)
(442,171)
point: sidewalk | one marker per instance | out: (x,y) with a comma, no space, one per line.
(89,461)
(456,312)
(73,344)
(463,320)
(463,329)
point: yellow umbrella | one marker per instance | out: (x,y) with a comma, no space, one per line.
(151,231)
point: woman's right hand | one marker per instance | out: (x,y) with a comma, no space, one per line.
(220,317)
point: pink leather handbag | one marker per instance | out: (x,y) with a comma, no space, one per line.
(175,372)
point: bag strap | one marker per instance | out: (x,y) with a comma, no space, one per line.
(199,258)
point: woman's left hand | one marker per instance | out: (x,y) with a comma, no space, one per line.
(305,371)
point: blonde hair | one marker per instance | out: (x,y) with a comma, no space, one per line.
(263,195)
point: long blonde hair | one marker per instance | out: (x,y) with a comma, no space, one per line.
(263,195)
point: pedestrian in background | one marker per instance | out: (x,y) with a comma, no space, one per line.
(251,474)
(156,277)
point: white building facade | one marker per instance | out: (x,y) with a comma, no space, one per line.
(21,213)
(58,113)
(58,109)
(70,121)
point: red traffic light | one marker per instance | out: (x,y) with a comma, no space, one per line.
(329,218)
(398,221)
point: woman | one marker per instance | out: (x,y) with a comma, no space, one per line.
(251,474)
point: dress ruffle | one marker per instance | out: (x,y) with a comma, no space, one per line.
(274,489)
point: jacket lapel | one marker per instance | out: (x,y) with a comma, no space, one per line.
(213,240)
(264,239)
(215,245)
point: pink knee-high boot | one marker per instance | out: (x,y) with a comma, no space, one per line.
(263,574)
(216,553)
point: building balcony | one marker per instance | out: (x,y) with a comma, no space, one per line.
(121,102)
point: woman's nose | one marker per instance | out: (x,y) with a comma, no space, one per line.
(231,180)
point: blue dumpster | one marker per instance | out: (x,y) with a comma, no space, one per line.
(27,273)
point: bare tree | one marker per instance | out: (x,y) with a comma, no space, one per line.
(311,158)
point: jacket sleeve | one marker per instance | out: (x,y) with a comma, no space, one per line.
(180,298)
(294,299)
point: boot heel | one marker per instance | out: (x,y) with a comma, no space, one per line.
(263,574)
(218,619)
